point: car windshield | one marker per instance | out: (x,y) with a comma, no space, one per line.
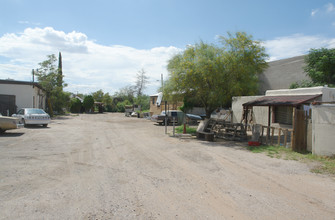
(34,111)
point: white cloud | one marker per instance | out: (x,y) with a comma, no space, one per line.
(295,45)
(29,23)
(87,66)
(330,8)
(314,11)
(326,9)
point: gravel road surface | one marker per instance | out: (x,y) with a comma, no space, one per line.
(107,166)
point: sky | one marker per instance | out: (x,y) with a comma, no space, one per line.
(105,43)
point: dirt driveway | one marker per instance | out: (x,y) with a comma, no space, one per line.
(108,166)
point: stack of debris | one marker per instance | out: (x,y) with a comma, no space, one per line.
(220,128)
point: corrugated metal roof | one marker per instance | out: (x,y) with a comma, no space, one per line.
(290,100)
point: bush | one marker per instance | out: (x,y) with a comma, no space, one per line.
(75,105)
(121,106)
(109,108)
(88,102)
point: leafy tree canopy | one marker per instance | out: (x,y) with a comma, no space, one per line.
(211,75)
(321,66)
(48,77)
(98,95)
(88,102)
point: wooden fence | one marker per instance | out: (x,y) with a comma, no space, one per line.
(276,136)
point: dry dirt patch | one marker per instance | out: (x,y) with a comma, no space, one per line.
(107,166)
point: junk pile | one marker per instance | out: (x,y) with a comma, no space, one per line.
(220,128)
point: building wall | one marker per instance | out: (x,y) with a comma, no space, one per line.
(323,130)
(26,96)
(282,73)
(260,115)
(156,110)
(328,94)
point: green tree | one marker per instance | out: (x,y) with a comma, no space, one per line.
(88,103)
(121,105)
(75,105)
(107,100)
(143,101)
(98,96)
(211,75)
(48,77)
(321,66)
(125,93)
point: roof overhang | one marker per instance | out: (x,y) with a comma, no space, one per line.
(289,100)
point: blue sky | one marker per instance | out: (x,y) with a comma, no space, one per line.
(105,43)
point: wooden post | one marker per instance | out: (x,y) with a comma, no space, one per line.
(262,134)
(246,115)
(285,137)
(272,134)
(269,123)
(279,133)
(293,128)
(267,135)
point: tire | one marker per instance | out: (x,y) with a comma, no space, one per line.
(45,125)
(23,122)
(2,131)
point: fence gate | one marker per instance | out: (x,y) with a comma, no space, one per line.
(300,131)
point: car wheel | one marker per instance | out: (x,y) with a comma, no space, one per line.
(45,125)
(23,122)
(2,131)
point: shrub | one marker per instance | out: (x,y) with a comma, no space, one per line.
(88,102)
(75,105)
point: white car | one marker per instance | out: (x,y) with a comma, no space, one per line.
(32,116)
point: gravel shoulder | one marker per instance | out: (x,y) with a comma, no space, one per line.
(107,166)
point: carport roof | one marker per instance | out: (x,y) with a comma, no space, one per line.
(290,100)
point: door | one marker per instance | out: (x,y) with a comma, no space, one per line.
(7,105)
(300,131)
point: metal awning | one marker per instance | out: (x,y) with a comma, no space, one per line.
(290,100)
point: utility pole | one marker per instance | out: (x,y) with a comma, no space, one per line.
(162,82)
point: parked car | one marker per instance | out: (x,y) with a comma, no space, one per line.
(193,119)
(177,114)
(7,123)
(32,116)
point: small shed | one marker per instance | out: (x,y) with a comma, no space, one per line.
(286,109)
(281,107)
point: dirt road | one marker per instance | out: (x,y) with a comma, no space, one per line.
(108,166)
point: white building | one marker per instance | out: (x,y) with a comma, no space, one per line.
(19,94)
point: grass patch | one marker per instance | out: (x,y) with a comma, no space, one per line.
(324,165)
(189,130)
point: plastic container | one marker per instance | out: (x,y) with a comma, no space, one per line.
(254,143)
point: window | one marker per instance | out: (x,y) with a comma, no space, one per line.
(283,115)
(20,112)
